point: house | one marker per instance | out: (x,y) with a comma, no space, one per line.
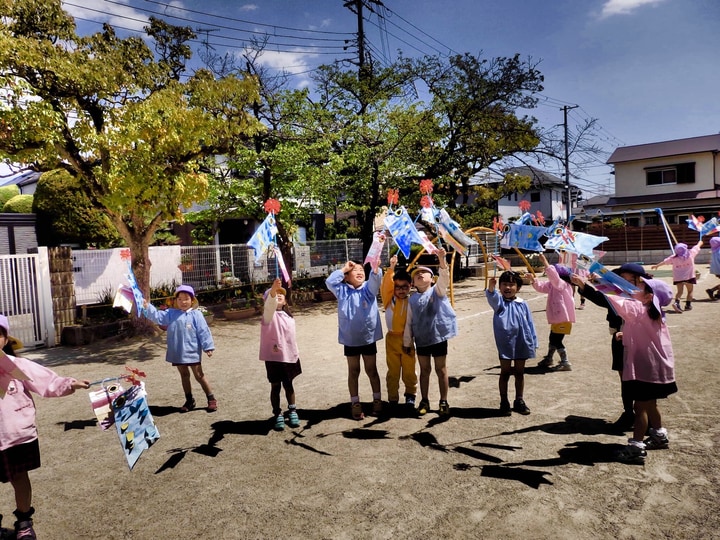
(681,177)
(26,181)
(547,194)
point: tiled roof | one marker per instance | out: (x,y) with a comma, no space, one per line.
(693,145)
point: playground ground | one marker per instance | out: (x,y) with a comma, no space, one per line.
(228,475)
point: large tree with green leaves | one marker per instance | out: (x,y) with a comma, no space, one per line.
(116,116)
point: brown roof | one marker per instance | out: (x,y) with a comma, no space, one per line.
(693,145)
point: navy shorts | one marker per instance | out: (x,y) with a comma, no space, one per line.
(282,372)
(369,349)
(438,349)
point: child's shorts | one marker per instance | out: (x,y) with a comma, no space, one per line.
(282,372)
(438,349)
(561,328)
(370,348)
(18,459)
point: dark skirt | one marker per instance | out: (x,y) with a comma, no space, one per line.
(282,372)
(369,350)
(645,391)
(18,459)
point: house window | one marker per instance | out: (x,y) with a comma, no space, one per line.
(651,220)
(534,196)
(681,173)
(632,222)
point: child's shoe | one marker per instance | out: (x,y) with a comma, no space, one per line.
(293,419)
(676,306)
(357,412)
(562,366)
(424,407)
(279,423)
(505,409)
(24,530)
(546,361)
(443,408)
(688,306)
(657,441)
(520,407)
(631,454)
(189,405)
(376,407)
(410,400)
(710,294)
(212,405)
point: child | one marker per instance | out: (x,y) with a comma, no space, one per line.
(630,272)
(394,293)
(714,292)
(19,449)
(279,351)
(515,337)
(683,269)
(188,336)
(649,365)
(359,328)
(431,321)
(559,310)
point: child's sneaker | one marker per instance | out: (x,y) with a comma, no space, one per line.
(212,405)
(688,306)
(424,407)
(24,530)
(293,419)
(710,294)
(546,362)
(189,405)
(357,412)
(410,400)
(505,409)
(279,422)
(562,366)
(676,306)
(520,407)
(443,408)
(656,441)
(376,407)
(631,454)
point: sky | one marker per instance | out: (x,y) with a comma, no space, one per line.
(645,70)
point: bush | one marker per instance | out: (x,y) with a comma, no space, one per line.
(7,193)
(19,204)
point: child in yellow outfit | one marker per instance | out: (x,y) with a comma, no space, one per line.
(394,292)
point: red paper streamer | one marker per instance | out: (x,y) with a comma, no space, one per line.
(426,201)
(393,196)
(272,206)
(426,186)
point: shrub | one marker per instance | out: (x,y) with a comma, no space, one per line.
(7,193)
(19,204)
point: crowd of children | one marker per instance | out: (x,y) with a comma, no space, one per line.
(419,323)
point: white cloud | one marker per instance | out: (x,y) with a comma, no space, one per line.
(624,7)
(103,12)
(249,7)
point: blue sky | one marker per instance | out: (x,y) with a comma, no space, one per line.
(647,70)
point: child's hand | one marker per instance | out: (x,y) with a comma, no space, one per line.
(577,280)
(491,284)
(441,253)
(209,353)
(347,267)
(530,277)
(145,303)
(276,285)
(77,385)
(393,262)
(407,350)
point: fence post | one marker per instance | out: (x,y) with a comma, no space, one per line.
(45,296)
(347,250)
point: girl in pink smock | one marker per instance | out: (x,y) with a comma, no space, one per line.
(279,351)
(683,269)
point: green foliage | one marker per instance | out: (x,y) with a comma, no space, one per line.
(119,120)
(616,223)
(474,216)
(19,204)
(66,216)
(7,193)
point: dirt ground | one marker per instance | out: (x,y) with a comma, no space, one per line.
(475,474)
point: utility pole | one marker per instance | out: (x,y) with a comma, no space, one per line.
(356,6)
(565,110)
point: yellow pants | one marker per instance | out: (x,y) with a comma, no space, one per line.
(399,363)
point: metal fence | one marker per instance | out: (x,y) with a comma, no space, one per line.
(98,273)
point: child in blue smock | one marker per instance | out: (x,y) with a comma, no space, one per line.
(188,336)
(359,328)
(515,337)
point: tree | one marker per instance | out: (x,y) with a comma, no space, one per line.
(116,118)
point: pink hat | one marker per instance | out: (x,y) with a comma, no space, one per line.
(662,292)
(186,289)
(681,250)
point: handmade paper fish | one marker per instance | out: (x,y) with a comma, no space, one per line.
(263,237)
(9,372)
(610,282)
(703,227)
(137,293)
(134,424)
(124,298)
(403,230)
(522,237)
(375,251)
(501,262)
(454,229)
(579,243)
(101,401)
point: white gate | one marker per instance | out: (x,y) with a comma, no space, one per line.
(25,297)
